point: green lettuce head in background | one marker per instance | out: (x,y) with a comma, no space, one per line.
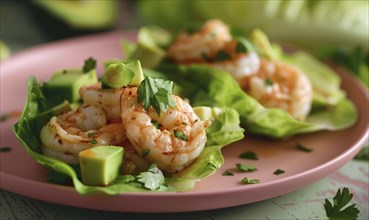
(308,23)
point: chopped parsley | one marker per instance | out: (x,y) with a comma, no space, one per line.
(222,56)
(244,46)
(227,173)
(156,93)
(180,135)
(145,152)
(301,147)
(155,123)
(249,155)
(4,117)
(151,179)
(337,210)
(90,64)
(90,135)
(93,141)
(245,167)
(247,181)
(5,149)
(268,82)
(278,171)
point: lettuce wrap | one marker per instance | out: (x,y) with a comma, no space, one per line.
(204,85)
(224,130)
(208,86)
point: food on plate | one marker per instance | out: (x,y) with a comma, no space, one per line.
(100,165)
(271,83)
(172,139)
(163,139)
(277,94)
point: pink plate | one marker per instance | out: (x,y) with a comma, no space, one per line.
(22,175)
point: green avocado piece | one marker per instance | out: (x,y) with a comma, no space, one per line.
(135,66)
(80,14)
(149,55)
(4,51)
(65,85)
(123,74)
(100,165)
(207,113)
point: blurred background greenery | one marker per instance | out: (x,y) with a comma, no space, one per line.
(334,29)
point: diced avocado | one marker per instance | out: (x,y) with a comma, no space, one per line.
(79,14)
(207,113)
(100,165)
(112,61)
(149,55)
(135,66)
(123,74)
(65,85)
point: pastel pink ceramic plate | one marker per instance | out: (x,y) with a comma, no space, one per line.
(22,175)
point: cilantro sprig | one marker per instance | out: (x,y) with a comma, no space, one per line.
(337,210)
(156,93)
(89,64)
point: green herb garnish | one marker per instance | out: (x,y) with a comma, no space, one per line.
(152,179)
(156,93)
(222,55)
(4,117)
(5,149)
(278,171)
(145,152)
(90,64)
(155,123)
(180,135)
(268,82)
(90,135)
(245,167)
(249,155)
(303,148)
(249,181)
(93,141)
(227,173)
(337,210)
(244,46)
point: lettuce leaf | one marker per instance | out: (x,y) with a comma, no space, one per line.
(212,87)
(36,113)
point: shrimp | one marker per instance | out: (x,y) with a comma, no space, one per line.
(106,99)
(64,136)
(192,48)
(280,85)
(172,140)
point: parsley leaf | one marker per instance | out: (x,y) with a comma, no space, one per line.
(249,181)
(249,155)
(301,147)
(278,171)
(338,210)
(245,167)
(152,179)
(90,64)
(156,93)
(227,173)
(180,135)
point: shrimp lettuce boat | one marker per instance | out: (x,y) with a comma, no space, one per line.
(39,108)
(205,85)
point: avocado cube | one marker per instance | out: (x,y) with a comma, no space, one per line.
(207,113)
(65,85)
(100,165)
